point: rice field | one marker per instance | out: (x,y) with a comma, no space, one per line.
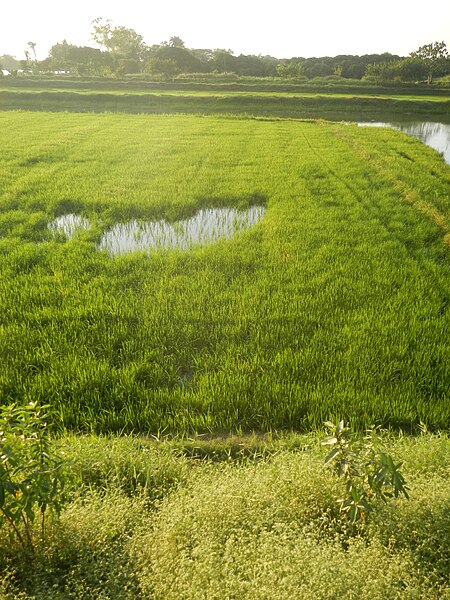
(333,304)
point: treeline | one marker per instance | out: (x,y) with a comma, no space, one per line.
(166,61)
(122,51)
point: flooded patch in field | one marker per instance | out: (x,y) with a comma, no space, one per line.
(207,226)
(69,225)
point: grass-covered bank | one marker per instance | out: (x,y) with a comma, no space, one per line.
(320,105)
(254,518)
(334,305)
(222,83)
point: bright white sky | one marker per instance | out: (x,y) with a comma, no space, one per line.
(281,28)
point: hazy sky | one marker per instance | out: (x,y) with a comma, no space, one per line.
(281,28)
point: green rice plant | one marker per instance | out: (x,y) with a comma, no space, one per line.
(134,465)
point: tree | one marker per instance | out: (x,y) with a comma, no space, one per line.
(79,59)
(317,67)
(25,64)
(183,58)
(433,57)
(411,69)
(384,72)
(222,61)
(176,42)
(250,65)
(9,62)
(292,69)
(163,69)
(121,42)
(32,46)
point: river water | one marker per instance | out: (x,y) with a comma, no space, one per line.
(436,135)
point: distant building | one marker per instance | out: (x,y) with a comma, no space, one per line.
(5,72)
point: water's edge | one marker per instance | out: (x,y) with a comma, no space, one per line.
(435,135)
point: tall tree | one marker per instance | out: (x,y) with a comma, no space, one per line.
(433,57)
(79,59)
(9,62)
(121,42)
(184,60)
(32,46)
(176,42)
(222,60)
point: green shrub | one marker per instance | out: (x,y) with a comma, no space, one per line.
(421,526)
(31,475)
(368,471)
(257,527)
(86,555)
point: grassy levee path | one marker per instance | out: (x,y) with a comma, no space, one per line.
(304,105)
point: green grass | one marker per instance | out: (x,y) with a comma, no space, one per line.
(84,89)
(224,82)
(334,305)
(321,98)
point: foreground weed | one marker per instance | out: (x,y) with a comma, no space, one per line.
(369,473)
(31,477)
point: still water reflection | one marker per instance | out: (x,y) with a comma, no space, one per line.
(207,226)
(69,225)
(436,135)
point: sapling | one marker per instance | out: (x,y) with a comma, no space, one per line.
(31,475)
(369,473)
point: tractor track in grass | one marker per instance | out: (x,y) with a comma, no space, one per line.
(427,266)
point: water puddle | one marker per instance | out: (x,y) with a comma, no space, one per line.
(206,227)
(436,135)
(69,225)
